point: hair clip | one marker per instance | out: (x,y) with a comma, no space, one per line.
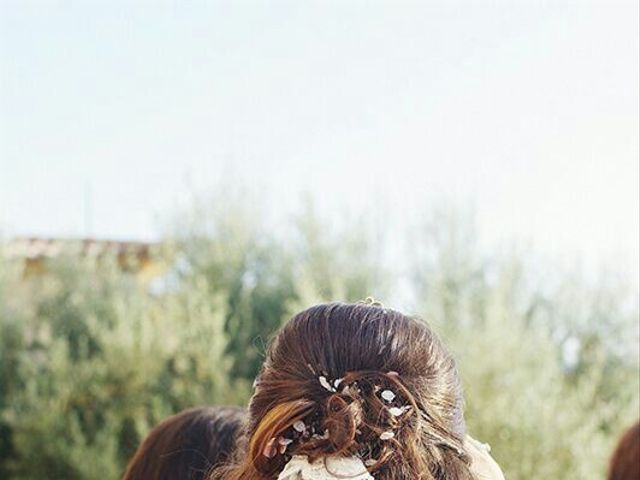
(372,302)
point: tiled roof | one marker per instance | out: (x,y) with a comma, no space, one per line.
(51,247)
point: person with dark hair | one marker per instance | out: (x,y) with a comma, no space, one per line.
(625,461)
(356,391)
(186,446)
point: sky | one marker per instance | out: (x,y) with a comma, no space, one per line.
(113,114)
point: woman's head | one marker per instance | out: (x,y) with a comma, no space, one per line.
(625,461)
(356,380)
(188,445)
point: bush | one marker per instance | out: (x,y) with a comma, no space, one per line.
(91,358)
(92,361)
(548,375)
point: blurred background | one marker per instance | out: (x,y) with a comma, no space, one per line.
(178,178)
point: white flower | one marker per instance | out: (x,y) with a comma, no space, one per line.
(324,436)
(325,383)
(388,395)
(387,435)
(283,443)
(399,411)
(328,468)
(299,426)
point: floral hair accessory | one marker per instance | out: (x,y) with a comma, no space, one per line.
(384,385)
(387,435)
(284,443)
(324,436)
(325,383)
(399,411)
(270,449)
(330,386)
(299,426)
(388,396)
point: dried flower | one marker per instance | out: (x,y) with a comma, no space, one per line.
(399,411)
(283,443)
(325,383)
(270,449)
(388,395)
(387,435)
(324,436)
(299,426)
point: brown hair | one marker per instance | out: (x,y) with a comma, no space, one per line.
(186,446)
(356,379)
(625,461)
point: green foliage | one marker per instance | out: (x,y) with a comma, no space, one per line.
(91,359)
(547,414)
(264,275)
(541,418)
(97,361)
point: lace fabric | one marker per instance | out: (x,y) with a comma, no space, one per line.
(330,468)
(483,466)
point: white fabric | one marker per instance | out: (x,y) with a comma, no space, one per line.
(483,466)
(329,468)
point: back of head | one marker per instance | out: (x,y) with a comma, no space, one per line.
(361,381)
(186,446)
(625,461)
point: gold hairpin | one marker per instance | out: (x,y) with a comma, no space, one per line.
(372,302)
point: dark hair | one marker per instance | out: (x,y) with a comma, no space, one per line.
(358,379)
(625,461)
(186,446)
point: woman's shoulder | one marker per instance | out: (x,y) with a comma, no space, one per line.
(483,466)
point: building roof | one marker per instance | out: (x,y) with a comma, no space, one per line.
(39,247)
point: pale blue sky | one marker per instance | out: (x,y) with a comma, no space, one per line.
(527,110)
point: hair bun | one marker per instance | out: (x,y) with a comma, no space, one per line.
(342,416)
(356,380)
